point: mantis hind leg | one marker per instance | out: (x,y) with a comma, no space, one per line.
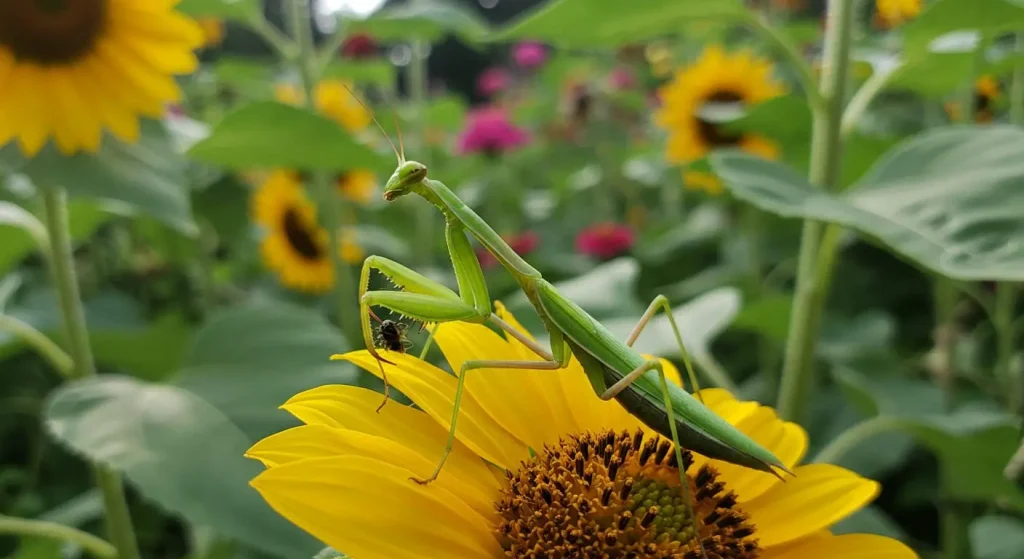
(469,366)
(661,302)
(655,365)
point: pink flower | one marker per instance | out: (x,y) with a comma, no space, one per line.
(359,45)
(622,79)
(489,131)
(530,54)
(491,81)
(605,240)
(522,243)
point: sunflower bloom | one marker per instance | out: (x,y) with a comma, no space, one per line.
(893,13)
(71,69)
(213,31)
(295,246)
(358,185)
(334,100)
(716,77)
(541,468)
(986,94)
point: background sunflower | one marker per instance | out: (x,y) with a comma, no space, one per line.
(716,77)
(71,69)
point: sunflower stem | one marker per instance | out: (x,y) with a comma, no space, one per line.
(330,204)
(53,531)
(62,267)
(826,157)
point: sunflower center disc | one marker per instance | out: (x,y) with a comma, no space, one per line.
(712,133)
(300,236)
(51,32)
(617,495)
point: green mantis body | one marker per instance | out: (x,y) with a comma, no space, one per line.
(614,369)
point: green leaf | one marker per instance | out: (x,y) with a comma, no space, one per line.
(372,72)
(268,351)
(148,176)
(268,134)
(13,215)
(429,20)
(38,548)
(942,17)
(152,351)
(241,10)
(611,23)
(700,321)
(997,537)
(768,316)
(178,450)
(948,200)
(933,74)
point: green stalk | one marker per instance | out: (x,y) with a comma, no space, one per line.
(119,522)
(1006,292)
(38,341)
(53,531)
(330,203)
(849,439)
(826,156)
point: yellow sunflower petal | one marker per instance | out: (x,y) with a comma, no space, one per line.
(349,503)
(527,403)
(433,390)
(818,496)
(355,408)
(786,440)
(319,441)
(850,546)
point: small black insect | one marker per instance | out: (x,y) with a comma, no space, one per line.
(390,335)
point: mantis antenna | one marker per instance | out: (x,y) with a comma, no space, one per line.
(401,157)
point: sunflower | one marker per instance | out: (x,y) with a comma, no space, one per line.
(73,68)
(213,31)
(541,468)
(986,93)
(295,246)
(715,78)
(358,185)
(334,100)
(892,13)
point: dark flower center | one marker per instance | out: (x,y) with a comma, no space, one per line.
(51,32)
(301,237)
(713,134)
(618,495)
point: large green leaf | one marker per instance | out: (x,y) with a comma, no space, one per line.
(148,176)
(241,10)
(268,134)
(997,537)
(178,450)
(609,23)
(424,19)
(945,16)
(249,360)
(949,200)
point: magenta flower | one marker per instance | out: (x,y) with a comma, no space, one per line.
(605,240)
(622,79)
(489,131)
(522,243)
(491,81)
(530,54)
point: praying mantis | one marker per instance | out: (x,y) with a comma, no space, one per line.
(613,367)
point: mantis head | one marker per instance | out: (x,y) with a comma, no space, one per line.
(406,176)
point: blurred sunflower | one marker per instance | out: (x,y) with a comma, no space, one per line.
(73,68)
(358,185)
(295,246)
(600,484)
(213,31)
(892,13)
(333,100)
(715,78)
(987,93)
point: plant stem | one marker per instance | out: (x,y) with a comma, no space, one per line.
(119,522)
(953,526)
(43,345)
(278,41)
(826,156)
(54,531)
(1006,292)
(330,204)
(418,91)
(863,98)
